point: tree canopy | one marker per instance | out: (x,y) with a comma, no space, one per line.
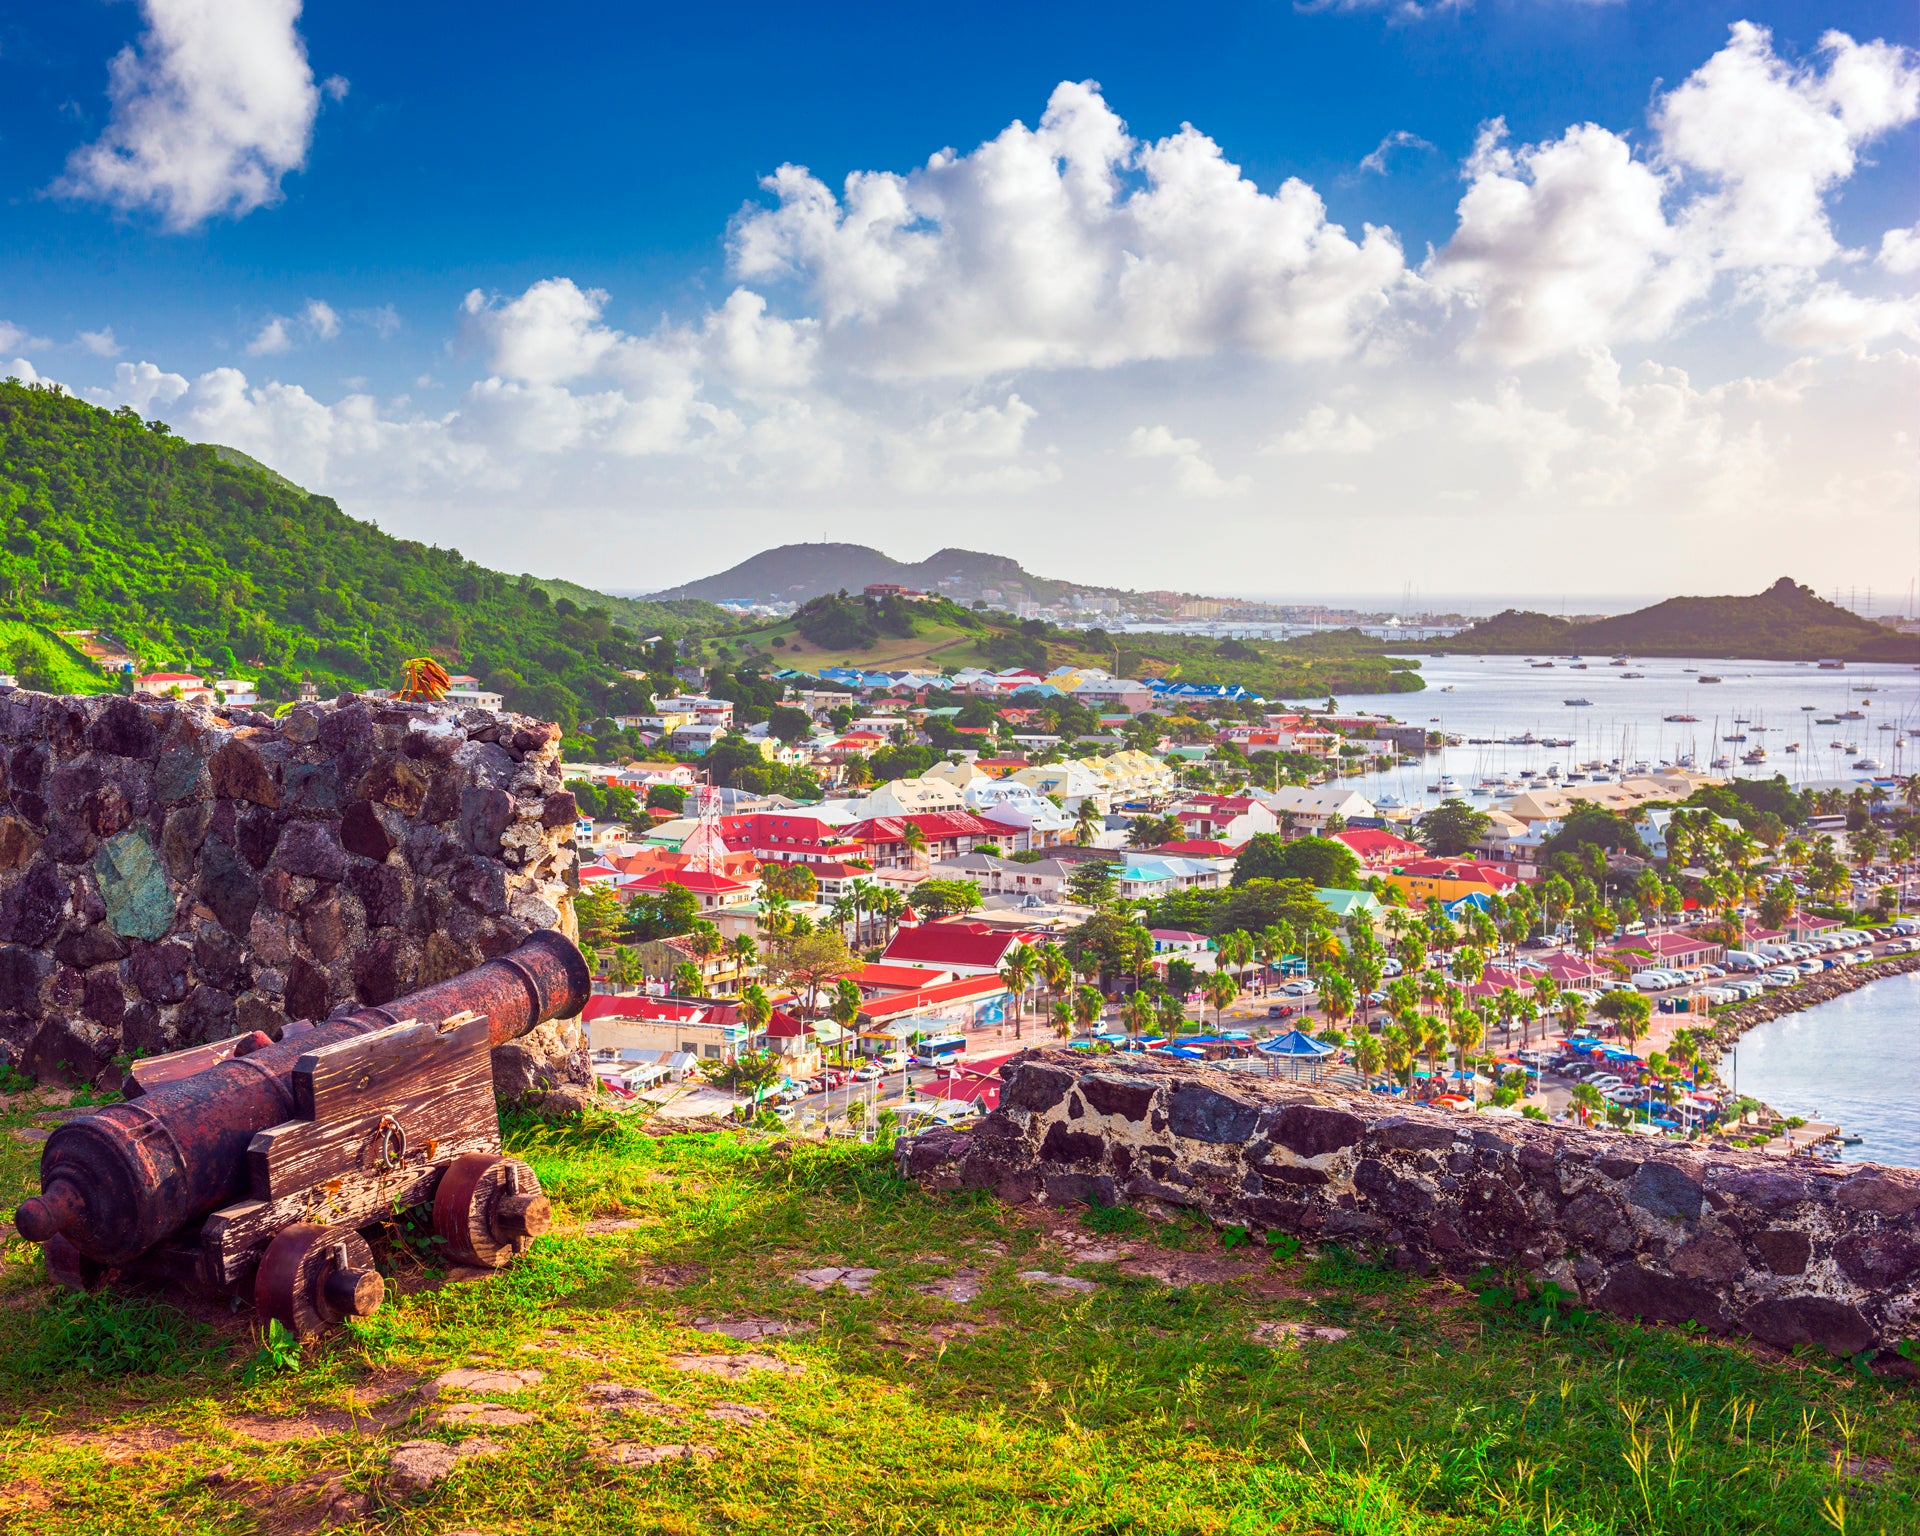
(1319,861)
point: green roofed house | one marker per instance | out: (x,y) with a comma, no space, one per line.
(1343,904)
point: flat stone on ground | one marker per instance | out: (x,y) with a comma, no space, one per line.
(618,1397)
(733,1367)
(1056,1282)
(747,1329)
(1297,1333)
(419,1464)
(855,1280)
(488,1378)
(960,1287)
(483,1416)
(629,1455)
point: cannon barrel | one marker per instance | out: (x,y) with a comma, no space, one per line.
(119,1180)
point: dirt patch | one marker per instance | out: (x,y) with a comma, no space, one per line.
(321,1502)
(603,1224)
(29,1133)
(126,1443)
(24,1496)
(315,1425)
(419,1464)
(733,1367)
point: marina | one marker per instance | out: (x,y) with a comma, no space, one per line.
(1510,728)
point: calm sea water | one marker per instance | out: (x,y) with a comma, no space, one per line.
(1502,696)
(1854,1062)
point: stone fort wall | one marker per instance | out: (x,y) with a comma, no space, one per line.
(1791,1252)
(171,874)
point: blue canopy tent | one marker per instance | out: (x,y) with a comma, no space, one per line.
(1295,1047)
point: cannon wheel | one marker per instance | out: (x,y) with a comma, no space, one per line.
(488,1208)
(311,1277)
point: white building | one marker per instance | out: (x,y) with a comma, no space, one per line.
(465,692)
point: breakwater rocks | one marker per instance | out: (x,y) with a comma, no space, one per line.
(171,874)
(1730,1024)
(1791,1253)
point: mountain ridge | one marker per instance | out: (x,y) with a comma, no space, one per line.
(1786,622)
(800,572)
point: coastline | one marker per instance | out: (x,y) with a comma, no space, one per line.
(1730,1024)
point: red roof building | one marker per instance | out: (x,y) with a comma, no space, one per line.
(957,1001)
(948,834)
(877,978)
(1378,850)
(708,889)
(1198,848)
(966,949)
(779,838)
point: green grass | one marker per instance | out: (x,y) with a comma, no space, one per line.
(1139,1408)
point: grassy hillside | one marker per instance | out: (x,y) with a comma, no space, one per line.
(1787,622)
(1182,1380)
(199,559)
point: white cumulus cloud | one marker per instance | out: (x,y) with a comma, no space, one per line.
(100,343)
(1193,472)
(1326,430)
(1900,250)
(271,339)
(321,319)
(1070,245)
(212,108)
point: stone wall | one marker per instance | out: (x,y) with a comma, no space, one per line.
(171,873)
(1790,1252)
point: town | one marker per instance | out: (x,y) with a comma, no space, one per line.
(823,898)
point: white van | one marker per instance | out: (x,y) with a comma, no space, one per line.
(1742,960)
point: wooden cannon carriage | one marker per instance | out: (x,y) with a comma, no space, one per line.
(250,1165)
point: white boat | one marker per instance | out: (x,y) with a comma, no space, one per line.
(1448,785)
(1869,765)
(1723,761)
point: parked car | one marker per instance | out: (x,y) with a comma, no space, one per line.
(1281,1010)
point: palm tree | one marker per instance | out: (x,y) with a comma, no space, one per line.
(844,1009)
(746,953)
(1138,1012)
(1016,970)
(1397,1046)
(1088,1005)
(1219,989)
(1465,1032)
(844,911)
(624,968)
(916,845)
(1172,1015)
(1336,998)
(1587,1102)
(686,979)
(755,1008)
(1054,968)
(1236,950)
(1063,1018)
(1369,1056)
(1087,822)
(1269,944)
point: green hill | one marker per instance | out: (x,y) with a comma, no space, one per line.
(941,636)
(198,558)
(799,573)
(1787,622)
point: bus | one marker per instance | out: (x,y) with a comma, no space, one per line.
(940,1050)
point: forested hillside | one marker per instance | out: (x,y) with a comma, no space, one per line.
(200,560)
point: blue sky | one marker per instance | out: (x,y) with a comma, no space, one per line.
(484,274)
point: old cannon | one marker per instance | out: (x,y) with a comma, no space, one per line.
(251,1164)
